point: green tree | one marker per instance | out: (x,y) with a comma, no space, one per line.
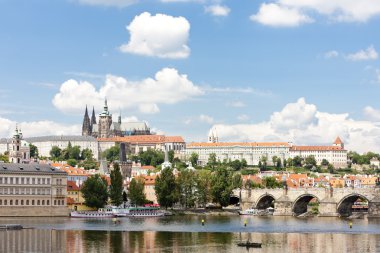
(297,161)
(112,154)
(136,191)
(203,184)
(151,157)
(221,187)
(285,163)
(274,160)
(244,163)
(166,188)
(278,163)
(94,191)
(212,162)
(33,150)
(324,162)
(86,154)
(271,183)
(74,152)
(194,159)
(236,164)
(171,155)
(4,158)
(55,152)
(89,164)
(72,162)
(310,162)
(186,182)
(237,181)
(116,191)
(125,197)
(263,162)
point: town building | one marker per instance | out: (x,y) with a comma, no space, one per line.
(252,152)
(335,154)
(19,150)
(32,190)
(107,128)
(76,175)
(139,143)
(75,200)
(149,191)
(44,144)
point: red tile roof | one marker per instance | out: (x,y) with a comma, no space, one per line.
(244,144)
(144,139)
(72,186)
(338,141)
(316,148)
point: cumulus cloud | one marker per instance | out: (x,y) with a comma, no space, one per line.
(116,3)
(206,119)
(331,54)
(37,128)
(160,36)
(295,12)
(371,113)
(167,87)
(308,127)
(364,55)
(218,10)
(276,15)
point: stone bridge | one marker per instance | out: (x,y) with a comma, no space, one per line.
(332,202)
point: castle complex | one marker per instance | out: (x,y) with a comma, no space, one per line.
(106,128)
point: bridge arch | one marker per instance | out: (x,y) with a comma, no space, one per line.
(301,203)
(344,206)
(265,201)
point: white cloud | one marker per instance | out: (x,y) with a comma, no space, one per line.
(218,10)
(206,119)
(339,10)
(237,104)
(371,113)
(160,36)
(309,127)
(37,128)
(364,55)
(116,3)
(276,15)
(243,117)
(295,12)
(331,54)
(167,87)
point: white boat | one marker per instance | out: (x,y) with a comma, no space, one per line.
(91,214)
(251,211)
(145,212)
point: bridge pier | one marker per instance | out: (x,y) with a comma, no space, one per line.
(374,208)
(283,207)
(328,208)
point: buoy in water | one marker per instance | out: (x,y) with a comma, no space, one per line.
(203,222)
(245,223)
(350,224)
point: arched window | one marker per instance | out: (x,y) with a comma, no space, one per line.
(1,202)
(5,202)
(47,202)
(33,202)
(27,202)
(11,202)
(38,202)
(55,202)
(43,202)
(22,202)
(16,202)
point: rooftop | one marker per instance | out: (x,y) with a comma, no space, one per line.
(29,168)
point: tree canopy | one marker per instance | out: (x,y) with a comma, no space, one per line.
(136,191)
(94,191)
(116,191)
(166,188)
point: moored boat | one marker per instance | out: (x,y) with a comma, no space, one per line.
(249,244)
(91,214)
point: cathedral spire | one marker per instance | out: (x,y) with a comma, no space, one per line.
(86,126)
(93,118)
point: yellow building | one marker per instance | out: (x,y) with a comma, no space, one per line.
(149,190)
(75,200)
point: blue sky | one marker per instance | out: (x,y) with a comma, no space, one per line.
(254,70)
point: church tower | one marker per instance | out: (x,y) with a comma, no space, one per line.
(213,136)
(93,118)
(105,121)
(15,155)
(86,126)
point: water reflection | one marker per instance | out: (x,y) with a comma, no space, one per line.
(37,240)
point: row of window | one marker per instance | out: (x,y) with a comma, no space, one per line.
(24,180)
(27,191)
(27,202)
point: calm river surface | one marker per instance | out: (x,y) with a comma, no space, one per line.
(186,234)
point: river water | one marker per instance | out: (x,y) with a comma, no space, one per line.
(186,234)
